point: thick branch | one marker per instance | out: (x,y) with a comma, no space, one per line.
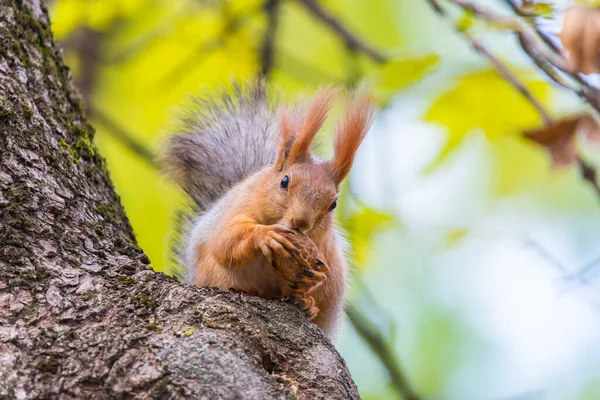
(81,313)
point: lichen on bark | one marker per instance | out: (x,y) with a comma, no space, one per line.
(82,315)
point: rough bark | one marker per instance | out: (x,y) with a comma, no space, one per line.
(81,313)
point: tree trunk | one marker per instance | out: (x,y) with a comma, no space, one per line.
(81,313)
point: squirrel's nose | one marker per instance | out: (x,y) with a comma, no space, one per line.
(301,223)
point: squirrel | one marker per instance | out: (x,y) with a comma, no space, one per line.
(263,221)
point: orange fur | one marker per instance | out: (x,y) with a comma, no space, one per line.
(296,147)
(247,224)
(350,134)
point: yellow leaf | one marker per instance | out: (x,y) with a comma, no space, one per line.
(541,8)
(519,165)
(466,22)
(189,332)
(361,226)
(66,16)
(455,236)
(484,101)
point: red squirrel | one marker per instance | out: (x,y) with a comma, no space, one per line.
(265,203)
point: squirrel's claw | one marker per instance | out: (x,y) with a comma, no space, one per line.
(295,261)
(321,265)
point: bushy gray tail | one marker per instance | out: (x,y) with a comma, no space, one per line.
(224,137)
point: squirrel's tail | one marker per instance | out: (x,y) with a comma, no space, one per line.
(224,138)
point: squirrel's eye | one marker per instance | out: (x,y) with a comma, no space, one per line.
(285,182)
(333,205)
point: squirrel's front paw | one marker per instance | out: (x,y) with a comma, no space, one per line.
(273,241)
(303,270)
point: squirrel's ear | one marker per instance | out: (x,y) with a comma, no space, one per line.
(351,131)
(296,147)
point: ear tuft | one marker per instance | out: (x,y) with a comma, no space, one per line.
(297,135)
(315,117)
(357,120)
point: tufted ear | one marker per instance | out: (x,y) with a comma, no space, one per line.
(351,131)
(297,133)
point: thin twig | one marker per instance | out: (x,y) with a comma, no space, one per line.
(348,37)
(588,172)
(543,35)
(379,346)
(502,69)
(516,25)
(511,77)
(116,131)
(546,67)
(267,53)
(518,10)
(531,15)
(300,69)
(201,51)
(545,53)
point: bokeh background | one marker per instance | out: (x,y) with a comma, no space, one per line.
(476,264)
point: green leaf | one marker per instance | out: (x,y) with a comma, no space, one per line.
(401,73)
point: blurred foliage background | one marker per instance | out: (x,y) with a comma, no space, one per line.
(475,263)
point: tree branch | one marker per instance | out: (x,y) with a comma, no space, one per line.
(507,74)
(528,43)
(545,55)
(348,37)
(204,49)
(383,351)
(267,53)
(516,25)
(588,172)
(81,313)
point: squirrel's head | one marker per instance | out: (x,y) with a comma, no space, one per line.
(302,189)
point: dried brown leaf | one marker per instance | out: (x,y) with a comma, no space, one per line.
(580,37)
(563,154)
(559,137)
(591,129)
(555,132)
